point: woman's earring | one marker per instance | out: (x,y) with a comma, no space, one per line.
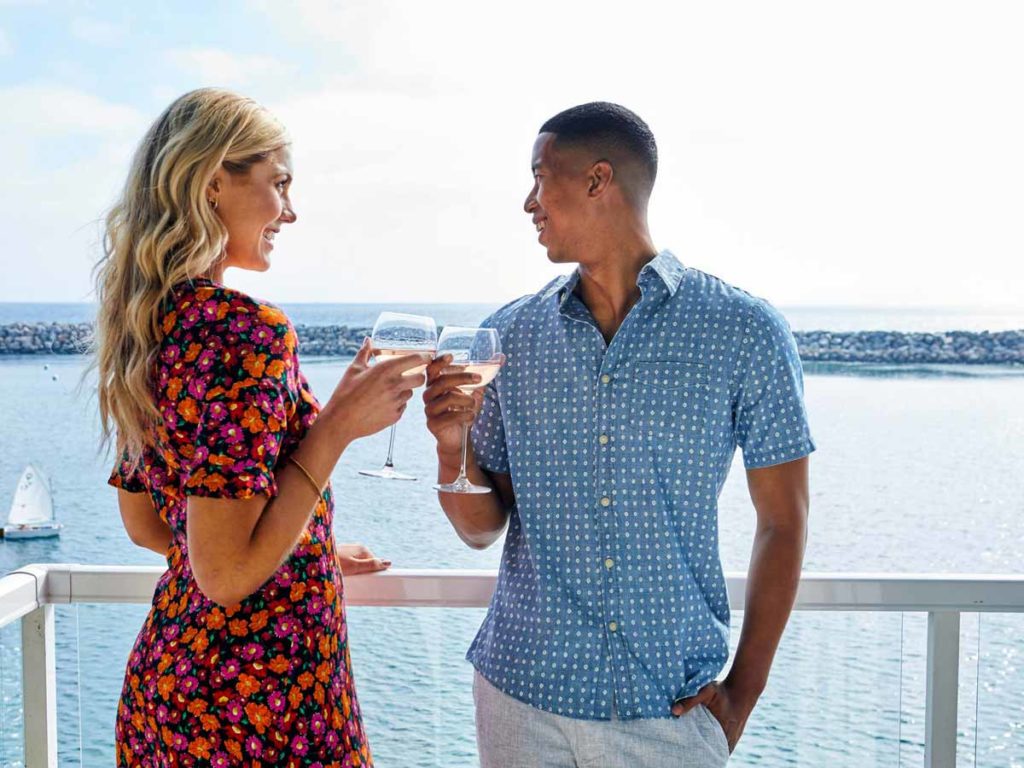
(213,204)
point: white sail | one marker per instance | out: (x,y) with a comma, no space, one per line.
(32,503)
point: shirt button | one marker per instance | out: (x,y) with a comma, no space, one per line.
(613,626)
(605,501)
(605,378)
(609,563)
(603,439)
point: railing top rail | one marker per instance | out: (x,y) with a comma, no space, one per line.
(31,586)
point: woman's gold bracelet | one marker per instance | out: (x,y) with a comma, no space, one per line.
(319,490)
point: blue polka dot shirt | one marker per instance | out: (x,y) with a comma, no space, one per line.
(611,590)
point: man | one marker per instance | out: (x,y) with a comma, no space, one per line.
(607,438)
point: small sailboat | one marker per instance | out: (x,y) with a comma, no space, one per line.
(31,515)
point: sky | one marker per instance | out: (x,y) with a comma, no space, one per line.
(815,154)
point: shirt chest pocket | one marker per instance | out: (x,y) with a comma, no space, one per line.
(670,399)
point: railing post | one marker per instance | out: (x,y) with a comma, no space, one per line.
(942,689)
(39,685)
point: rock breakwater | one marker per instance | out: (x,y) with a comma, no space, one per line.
(952,347)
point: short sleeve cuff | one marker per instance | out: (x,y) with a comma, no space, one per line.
(771,456)
(131,483)
(245,484)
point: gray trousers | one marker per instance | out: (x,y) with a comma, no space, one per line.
(511,734)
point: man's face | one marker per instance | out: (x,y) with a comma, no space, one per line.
(558,201)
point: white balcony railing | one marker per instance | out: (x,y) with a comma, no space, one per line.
(30,593)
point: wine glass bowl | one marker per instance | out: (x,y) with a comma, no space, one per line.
(473,350)
(396,334)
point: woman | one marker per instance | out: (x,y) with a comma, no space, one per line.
(226,455)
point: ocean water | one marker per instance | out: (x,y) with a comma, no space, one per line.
(800,318)
(918,470)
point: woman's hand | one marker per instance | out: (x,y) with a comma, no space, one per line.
(356,558)
(371,397)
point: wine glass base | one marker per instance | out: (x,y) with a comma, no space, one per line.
(385,473)
(463,487)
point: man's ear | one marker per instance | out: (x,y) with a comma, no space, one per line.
(599,178)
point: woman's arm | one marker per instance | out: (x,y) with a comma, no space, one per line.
(144,526)
(235,545)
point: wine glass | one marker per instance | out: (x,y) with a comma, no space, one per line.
(473,350)
(395,334)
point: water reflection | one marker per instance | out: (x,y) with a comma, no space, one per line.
(911,370)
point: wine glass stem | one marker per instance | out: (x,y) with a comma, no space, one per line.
(391,448)
(465,444)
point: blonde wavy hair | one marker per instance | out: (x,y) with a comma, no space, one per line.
(161,232)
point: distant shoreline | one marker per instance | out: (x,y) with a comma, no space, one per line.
(891,347)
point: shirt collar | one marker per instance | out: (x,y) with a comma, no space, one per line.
(665,265)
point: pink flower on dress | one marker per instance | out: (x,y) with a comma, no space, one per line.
(229,669)
(254,746)
(206,360)
(234,711)
(232,433)
(216,411)
(317,724)
(286,626)
(197,387)
(276,701)
(240,323)
(252,651)
(299,745)
(220,760)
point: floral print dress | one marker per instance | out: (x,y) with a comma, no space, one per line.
(267,681)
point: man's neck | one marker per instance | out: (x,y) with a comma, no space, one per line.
(608,280)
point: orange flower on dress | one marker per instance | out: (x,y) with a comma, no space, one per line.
(214,481)
(209,722)
(215,619)
(174,388)
(279,665)
(234,749)
(165,685)
(305,680)
(255,364)
(188,410)
(247,685)
(295,697)
(259,716)
(197,706)
(201,642)
(169,321)
(258,621)
(271,315)
(200,747)
(192,352)
(252,420)
(238,627)
(276,368)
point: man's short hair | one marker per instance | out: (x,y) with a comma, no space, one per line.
(612,132)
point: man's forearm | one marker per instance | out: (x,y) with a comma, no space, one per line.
(771,591)
(478,518)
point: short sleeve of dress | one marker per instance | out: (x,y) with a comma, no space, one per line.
(127,476)
(771,420)
(240,404)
